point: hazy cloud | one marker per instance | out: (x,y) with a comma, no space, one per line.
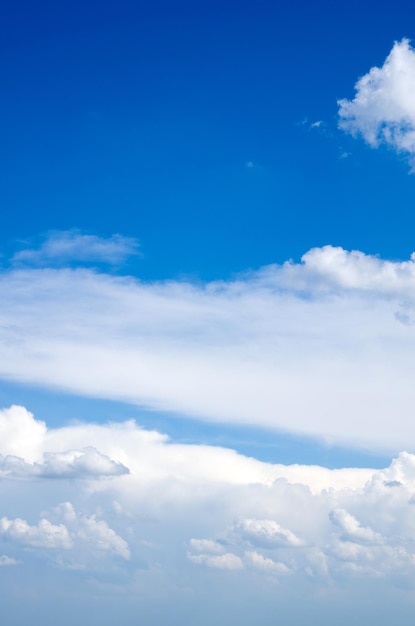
(5,561)
(72,246)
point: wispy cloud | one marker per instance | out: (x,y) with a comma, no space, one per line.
(72,246)
(383,111)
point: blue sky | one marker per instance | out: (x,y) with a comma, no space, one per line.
(207,312)
(121,118)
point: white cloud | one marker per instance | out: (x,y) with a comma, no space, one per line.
(87,463)
(5,561)
(90,531)
(382,110)
(82,533)
(72,246)
(115,447)
(44,535)
(351,530)
(264,564)
(20,434)
(226,561)
(23,455)
(265,533)
(81,464)
(317,347)
(206,545)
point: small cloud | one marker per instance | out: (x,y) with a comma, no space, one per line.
(382,111)
(73,247)
(44,535)
(265,533)
(5,561)
(269,566)
(226,561)
(206,545)
(306,123)
(249,164)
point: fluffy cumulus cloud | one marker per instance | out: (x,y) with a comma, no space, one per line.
(382,110)
(190,520)
(265,533)
(22,454)
(42,535)
(88,463)
(318,347)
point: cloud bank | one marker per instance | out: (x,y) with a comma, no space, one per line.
(189,519)
(383,111)
(324,347)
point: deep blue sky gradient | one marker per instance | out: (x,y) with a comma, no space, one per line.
(139,118)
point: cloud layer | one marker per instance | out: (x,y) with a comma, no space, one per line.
(382,110)
(323,347)
(189,518)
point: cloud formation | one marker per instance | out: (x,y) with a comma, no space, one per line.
(23,455)
(382,111)
(265,534)
(77,529)
(44,535)
(80,464)
(317,347)
(189,519)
